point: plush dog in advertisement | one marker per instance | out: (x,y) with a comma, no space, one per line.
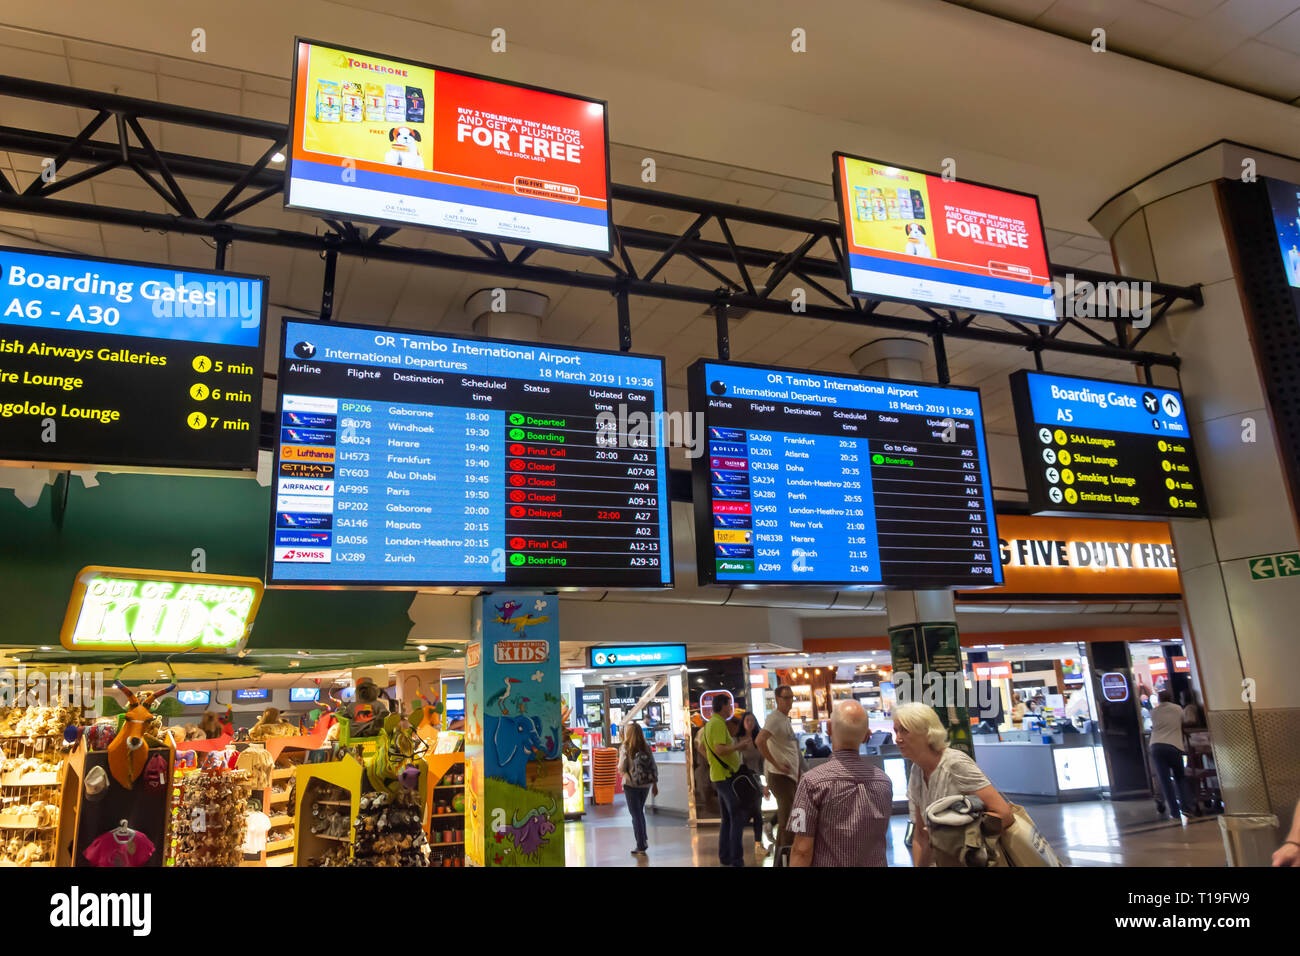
(916,244)
(405,148)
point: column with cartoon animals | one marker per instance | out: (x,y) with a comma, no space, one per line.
(514,781)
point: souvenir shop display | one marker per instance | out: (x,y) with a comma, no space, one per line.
(388,830)
(446,820)
(116,787)
(34,742)
(208,825)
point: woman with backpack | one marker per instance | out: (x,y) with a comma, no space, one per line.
(640,775)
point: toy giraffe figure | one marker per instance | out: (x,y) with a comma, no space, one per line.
(129,751)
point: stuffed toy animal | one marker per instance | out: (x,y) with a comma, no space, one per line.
(136,734)
(209,726)
(366,713)
(270,725)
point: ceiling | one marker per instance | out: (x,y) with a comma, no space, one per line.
(384,293)
(1253,45)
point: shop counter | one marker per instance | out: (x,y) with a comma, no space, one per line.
(672,783)
(894,767)
(1064,769)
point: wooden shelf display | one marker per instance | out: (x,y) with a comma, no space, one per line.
(444,821)
(30,801)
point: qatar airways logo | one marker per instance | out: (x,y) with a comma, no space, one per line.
(375,67)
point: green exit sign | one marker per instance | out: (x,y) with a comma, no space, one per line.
(1266,566)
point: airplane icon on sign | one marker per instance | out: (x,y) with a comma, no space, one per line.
(1149,402)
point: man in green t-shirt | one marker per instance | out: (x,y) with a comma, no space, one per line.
(724,760)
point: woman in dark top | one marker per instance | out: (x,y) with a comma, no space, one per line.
(636,764)
(753,759)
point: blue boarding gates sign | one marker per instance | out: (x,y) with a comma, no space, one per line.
(646,655)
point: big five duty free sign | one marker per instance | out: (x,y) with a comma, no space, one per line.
(831,479)
(916,237)
(117,363)
(406,459)
(398,141)
(1097,447)
(126,609)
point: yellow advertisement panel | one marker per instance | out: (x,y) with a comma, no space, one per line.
(368,108)
(889,209)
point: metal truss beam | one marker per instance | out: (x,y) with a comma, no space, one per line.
(758,273)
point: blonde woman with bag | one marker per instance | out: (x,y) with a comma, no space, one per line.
(940,772)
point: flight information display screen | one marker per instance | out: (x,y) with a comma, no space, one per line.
(1096,447)
(821,479)
(409,460)
(120,363)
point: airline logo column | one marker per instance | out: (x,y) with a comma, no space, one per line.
(305,482)
(733,521)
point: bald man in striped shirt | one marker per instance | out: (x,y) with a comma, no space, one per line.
(841,810)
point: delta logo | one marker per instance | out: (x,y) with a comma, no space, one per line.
(306,453)
(521,652)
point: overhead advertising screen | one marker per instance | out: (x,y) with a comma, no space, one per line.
(117,363)
(398,141)
(1096,447)
(830,479)
(406,460)
(916,237)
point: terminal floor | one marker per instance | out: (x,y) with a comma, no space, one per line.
(1091,833)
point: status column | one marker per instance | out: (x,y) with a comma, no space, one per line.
(514,812)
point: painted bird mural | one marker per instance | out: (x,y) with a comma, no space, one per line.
(527,621)
(504,611)
(502,696)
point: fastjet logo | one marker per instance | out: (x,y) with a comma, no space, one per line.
(78,910)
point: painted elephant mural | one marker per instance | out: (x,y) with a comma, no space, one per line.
(514,741)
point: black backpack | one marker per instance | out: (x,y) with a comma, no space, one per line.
(641,770)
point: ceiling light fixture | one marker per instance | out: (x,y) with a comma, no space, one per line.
(278,157)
